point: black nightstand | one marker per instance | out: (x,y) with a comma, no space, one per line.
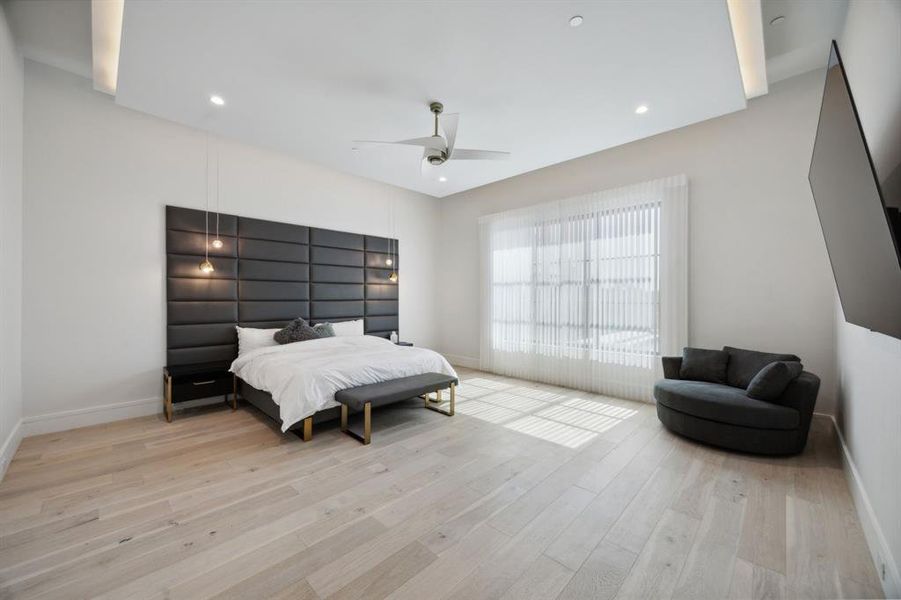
(190,382)
(404,343)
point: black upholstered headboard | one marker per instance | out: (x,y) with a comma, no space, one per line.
(266,274)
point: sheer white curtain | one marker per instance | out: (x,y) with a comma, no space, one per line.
(588,292)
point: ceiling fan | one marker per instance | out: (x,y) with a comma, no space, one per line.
(437,150)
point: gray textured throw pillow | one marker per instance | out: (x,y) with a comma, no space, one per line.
(771,381)
(699,364)
(324,329)
(297,330)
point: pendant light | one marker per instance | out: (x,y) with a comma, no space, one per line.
(205,265)
(217,243)
(393,276)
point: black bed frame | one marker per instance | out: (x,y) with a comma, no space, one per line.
(266,274)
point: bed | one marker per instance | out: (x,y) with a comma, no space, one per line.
(301,379)
(267,273)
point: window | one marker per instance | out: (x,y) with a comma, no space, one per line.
(573,291)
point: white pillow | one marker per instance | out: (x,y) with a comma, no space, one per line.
(348,328)
(251,338)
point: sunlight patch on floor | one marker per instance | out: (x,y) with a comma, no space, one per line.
(558,433)
(513,401)
(579,418)
(600,408)
(487,412)
(470,391)
(489,383)
(557,415)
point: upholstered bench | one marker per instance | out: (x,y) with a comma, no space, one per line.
(365,397)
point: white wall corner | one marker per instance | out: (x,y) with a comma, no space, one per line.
(8,450)
(886,566)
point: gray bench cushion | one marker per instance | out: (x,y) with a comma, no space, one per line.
(725,404)
(395,390)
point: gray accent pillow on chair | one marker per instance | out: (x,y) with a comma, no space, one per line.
(771,381)
(745,364)
(699,364)
(324,330)
(297,330)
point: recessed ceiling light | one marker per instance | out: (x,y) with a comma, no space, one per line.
(777,20)
(217,100)
(641,110)
(576,21)
(442,179)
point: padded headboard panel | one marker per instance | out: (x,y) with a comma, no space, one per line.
(266,274)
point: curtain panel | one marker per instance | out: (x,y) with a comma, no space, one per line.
(590,291)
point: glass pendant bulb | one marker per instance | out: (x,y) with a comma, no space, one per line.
(206,266)
(389,262)
(393,277)
(217,243)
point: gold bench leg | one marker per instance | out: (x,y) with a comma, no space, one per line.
(437,402)
(367,424)
(167,401)
(307,429)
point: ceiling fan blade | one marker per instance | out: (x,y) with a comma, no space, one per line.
(464,154)
(449,125)
(436,142)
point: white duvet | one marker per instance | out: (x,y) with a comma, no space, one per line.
(303,377)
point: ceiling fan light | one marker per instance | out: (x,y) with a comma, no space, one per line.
(206,266)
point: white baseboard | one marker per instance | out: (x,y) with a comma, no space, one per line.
(462,361)
(106,413)
(879,548)
(8,450)
(91,415)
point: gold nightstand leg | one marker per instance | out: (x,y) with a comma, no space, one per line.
(307,429)
(168,399)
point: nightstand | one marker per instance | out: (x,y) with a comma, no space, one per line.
(190,382)
(403,343)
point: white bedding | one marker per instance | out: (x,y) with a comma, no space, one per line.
(303,377)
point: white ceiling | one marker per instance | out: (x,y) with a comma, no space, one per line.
(54,32)
(307,78)
(800,42)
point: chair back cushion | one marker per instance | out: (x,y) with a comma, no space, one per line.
(699,364)
(745,364)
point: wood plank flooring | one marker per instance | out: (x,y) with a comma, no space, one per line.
(531,491)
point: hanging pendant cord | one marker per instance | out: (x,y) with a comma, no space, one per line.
(206,172)
(218,143)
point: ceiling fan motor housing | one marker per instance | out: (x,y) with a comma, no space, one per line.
(436,157)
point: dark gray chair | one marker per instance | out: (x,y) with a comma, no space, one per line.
(723,415)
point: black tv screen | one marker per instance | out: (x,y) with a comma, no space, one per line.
(858,199)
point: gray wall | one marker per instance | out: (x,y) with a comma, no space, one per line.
(869,364)
(97,178)
(759,276)
(10,242)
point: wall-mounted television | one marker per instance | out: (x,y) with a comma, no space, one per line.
(857,193)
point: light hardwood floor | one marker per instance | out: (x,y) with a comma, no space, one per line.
(531,491)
